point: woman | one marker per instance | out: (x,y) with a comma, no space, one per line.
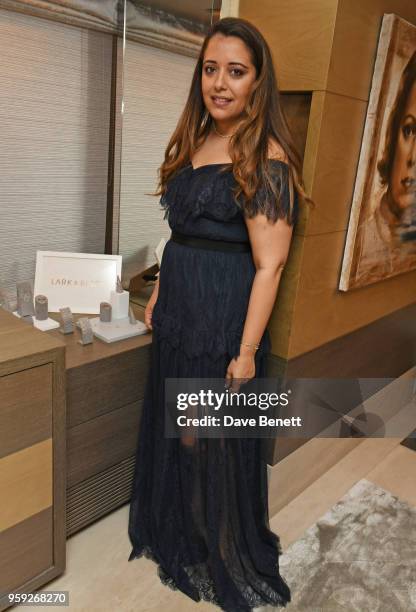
(387,237)
(199,505)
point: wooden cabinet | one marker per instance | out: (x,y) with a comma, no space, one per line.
(69,421)
(32,457)
(104,395)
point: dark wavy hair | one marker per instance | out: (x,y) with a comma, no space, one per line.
(263,120)
(407,81)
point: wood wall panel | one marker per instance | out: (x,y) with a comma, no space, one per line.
(355,42)
(323,313)
(311,153)
(384,348)
(335,164)
(328,47)
(288,477)
(296,108)
(337,313)
(300,34)
(281,320)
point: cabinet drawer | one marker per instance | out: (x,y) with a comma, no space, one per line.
(102,442)
(105,385)
(97,496)
(26,408)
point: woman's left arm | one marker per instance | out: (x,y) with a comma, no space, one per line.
(270,243)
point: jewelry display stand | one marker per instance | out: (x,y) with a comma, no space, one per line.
(122,324)
(45,325)
(38,311)
(119,329)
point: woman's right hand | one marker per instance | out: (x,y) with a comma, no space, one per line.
(149,308)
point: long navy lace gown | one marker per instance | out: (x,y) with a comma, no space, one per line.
(200,511)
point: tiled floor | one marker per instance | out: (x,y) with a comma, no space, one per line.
(99,577)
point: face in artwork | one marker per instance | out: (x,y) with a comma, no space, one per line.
(228,76)
(403,175)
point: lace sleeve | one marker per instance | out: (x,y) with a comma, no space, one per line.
(264,201)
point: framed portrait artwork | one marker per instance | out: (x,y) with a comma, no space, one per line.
(381,236)
(80,281)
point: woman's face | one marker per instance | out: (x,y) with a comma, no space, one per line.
(228,75)
(403,175)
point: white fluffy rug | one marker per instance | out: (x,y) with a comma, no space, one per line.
(359,557)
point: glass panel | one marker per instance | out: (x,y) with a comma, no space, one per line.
(162,40)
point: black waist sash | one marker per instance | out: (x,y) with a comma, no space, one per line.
(210,243)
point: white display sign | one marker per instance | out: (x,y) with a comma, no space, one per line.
(78,280)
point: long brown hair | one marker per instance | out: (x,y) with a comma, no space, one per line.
(263,121)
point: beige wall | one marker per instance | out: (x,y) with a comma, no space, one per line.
(328,47)
(55,83)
